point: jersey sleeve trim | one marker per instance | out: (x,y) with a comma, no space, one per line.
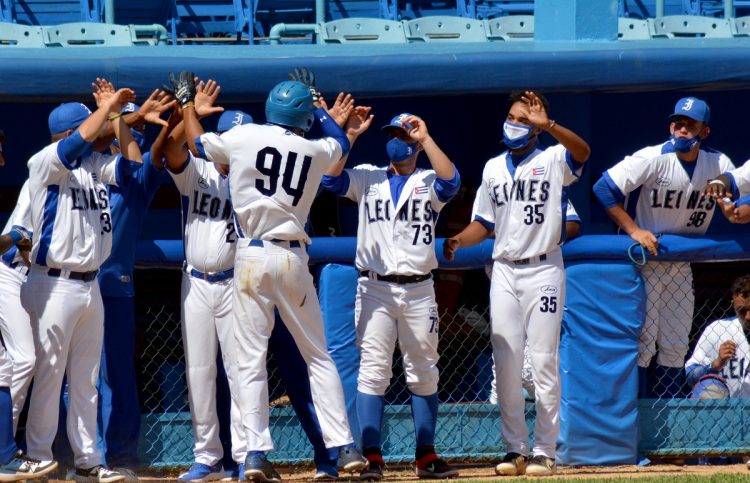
(607,192)
(447,188)
(70,149)
(336,184)
(487,224)
(575,167)
(200,148)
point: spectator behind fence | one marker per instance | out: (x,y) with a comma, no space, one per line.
(723,349)
(665,182)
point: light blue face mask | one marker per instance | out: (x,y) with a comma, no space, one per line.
(684,145)
(516,136)
(399,150)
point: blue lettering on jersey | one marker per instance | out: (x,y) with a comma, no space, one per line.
(89,199)
(734,369)
(207,205)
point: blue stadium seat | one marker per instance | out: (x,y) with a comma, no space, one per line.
(692,26)
(25,36)
(444,28)
(635,28)
(362,30)
(53,12)
(498,8)
(87,34)
(742,26)
(511,27)
(647,8)
(209,20)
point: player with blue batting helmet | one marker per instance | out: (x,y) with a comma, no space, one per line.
(290,104)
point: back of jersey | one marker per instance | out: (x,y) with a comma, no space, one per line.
(274,177)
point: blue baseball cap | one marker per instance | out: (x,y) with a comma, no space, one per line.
(229,119)
(398,122)
(129,107)
(67,116)
(693,108)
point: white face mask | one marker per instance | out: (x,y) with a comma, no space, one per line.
(516,135)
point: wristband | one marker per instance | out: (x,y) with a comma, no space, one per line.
(188,104)
(114,116)
(552,123)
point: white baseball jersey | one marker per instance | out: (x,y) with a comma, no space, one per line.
(736,370)
(21,217)
(70,214)
(526,204)
(669,200)
(741,178)
(395,238)
(208,226)
(274,177)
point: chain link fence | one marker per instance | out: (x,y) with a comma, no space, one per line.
(468,424)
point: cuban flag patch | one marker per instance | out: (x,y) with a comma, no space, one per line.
(537,171)
(420,190)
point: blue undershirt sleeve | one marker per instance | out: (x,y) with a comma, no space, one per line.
(607,192)
(447,188)
(332,130)
(336,184)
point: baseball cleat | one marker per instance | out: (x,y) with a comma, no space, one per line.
(201,472)
(97,474)
(235,474)
(373,471)
(259,469)
(130,475)
(22,467)
(513,464)
(351,460)
(325,473)
(541,465)
(432,466)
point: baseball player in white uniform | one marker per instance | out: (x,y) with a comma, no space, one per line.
(274,176)
(522,202)
(209,237)
(723,347)
(665,183)
(72,227)
(398,208)
(14,321)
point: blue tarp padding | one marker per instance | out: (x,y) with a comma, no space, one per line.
(337,288)
(598,363)
(247,73)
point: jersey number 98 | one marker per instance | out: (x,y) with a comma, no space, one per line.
(272,172)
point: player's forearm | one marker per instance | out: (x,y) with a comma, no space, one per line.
(578,148)
(438,159)
(473,234)
(165,135)
(193,128)
(128,145)
(622,219)
(93,125)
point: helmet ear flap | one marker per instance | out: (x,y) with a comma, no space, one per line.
(290,104)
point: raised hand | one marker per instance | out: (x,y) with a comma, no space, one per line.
(535,112)
(158,102)
(206,94)
(307,77)
(418,131)
(103,90)
(341,109)
(359,121)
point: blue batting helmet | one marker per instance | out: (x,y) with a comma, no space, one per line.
(290,104)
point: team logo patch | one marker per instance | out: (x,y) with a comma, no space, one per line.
(663,181)
(372,191)
(548,290)
(538,171)
(420,190)
(203,183)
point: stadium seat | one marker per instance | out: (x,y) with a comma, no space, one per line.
(209,20)
(154,34)
(443,28)
(360,30)
(52,12)
(635,29)
(15,35)
(742,26)
(692,26)
(86,34)
(486,9)
(512,27)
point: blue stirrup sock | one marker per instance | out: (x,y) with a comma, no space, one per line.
(424,411)
(370,415)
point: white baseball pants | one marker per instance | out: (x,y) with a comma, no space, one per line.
(277,275)
(385,312)
(669,313)
(15,328)
(526,304)
(206,326)
(67,317)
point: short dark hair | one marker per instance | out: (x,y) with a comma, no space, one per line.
(741,286)
(518,96)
